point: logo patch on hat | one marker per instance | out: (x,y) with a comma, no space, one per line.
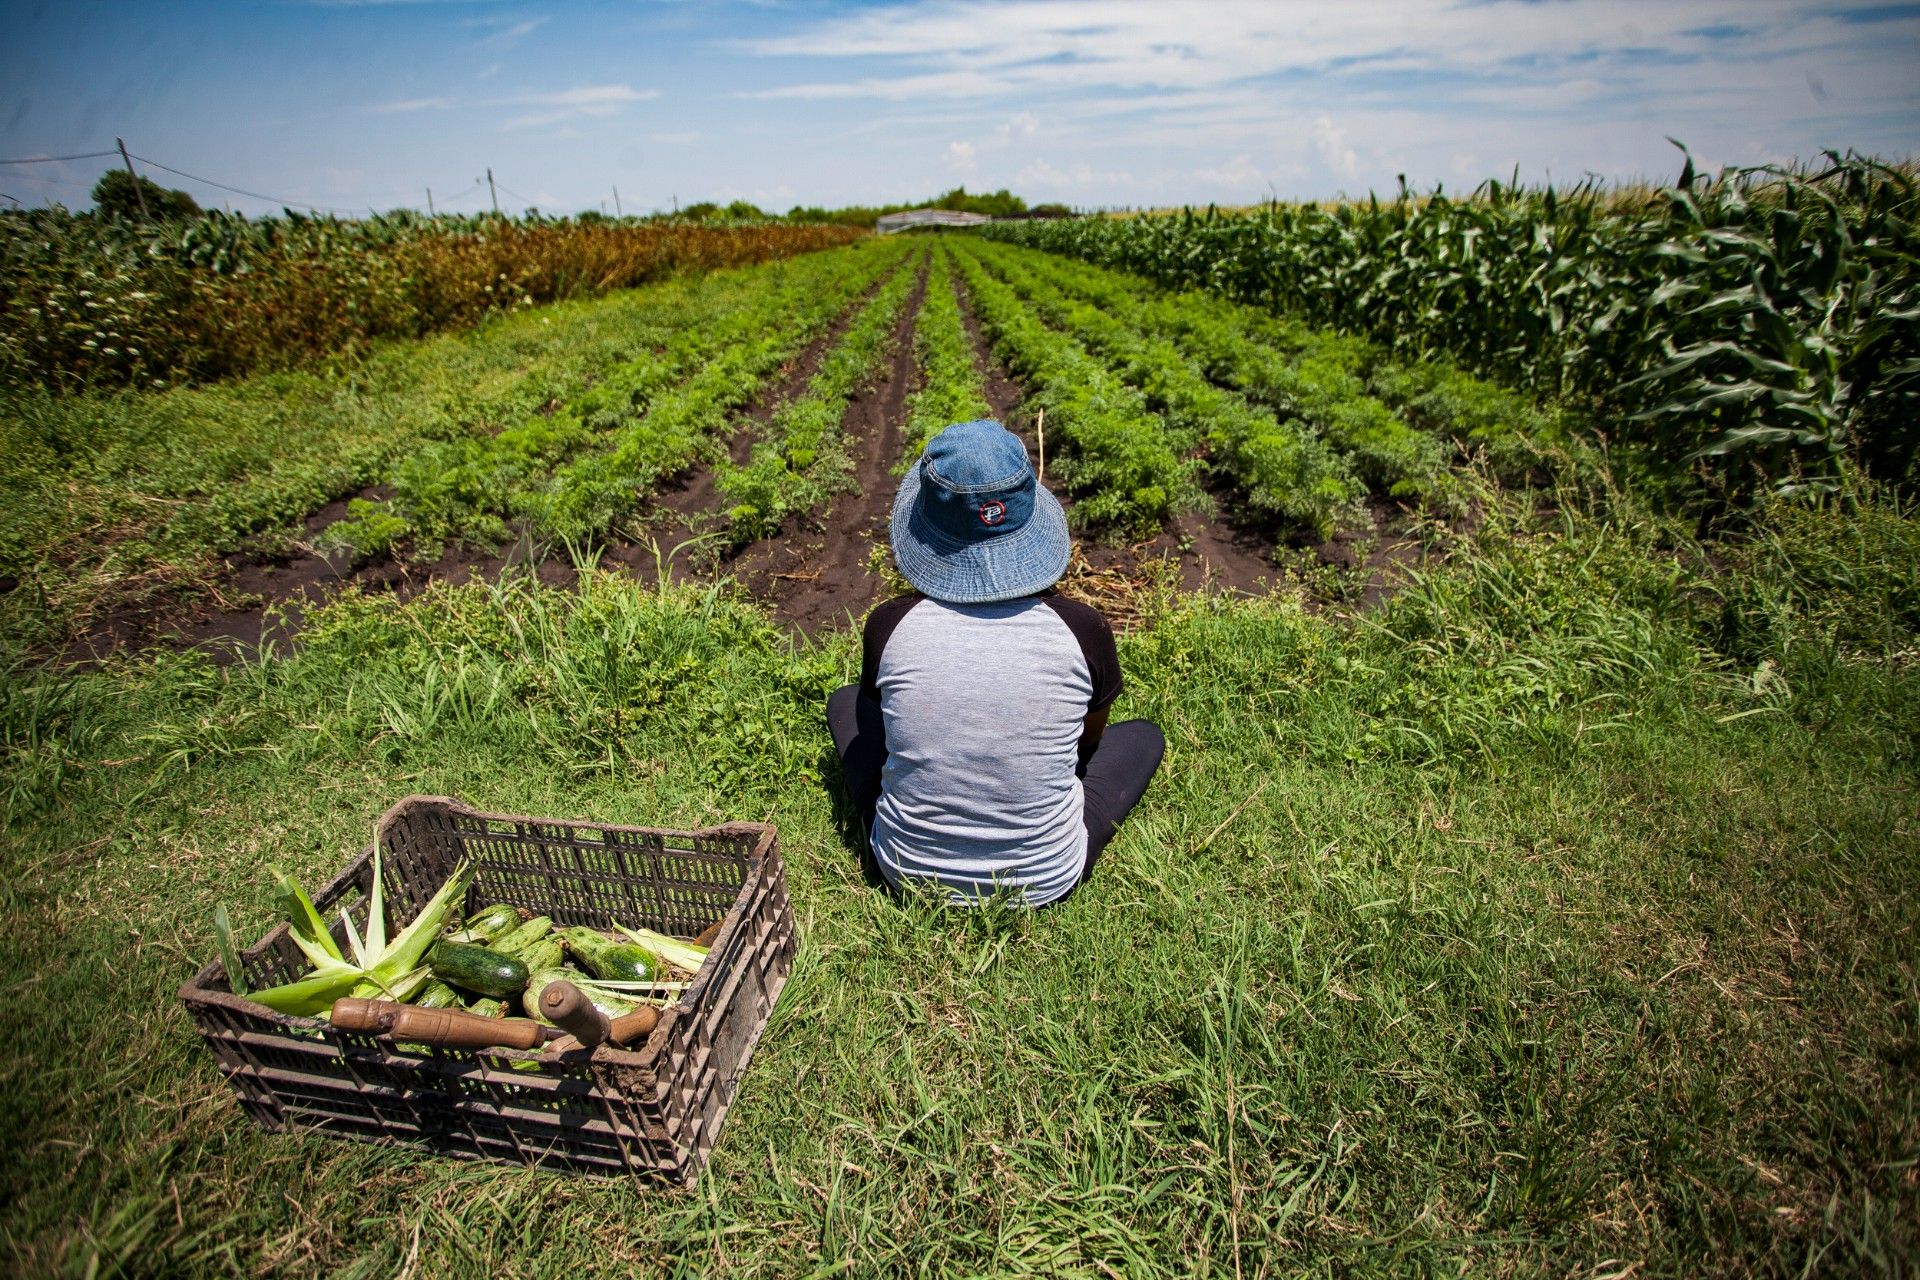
(992,511)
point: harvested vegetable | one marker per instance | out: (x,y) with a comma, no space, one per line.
(605,958)
(681,955)
(480,969)
(380,968)
(489,923)
(438,995)
(608,1002)
(513,943)
(544,954)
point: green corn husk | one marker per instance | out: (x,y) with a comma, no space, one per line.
(303,920)
(681,955)
(229,954)
(410,948)
(313,994)
(488,1008)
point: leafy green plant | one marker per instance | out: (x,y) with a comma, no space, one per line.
(1115,454)
(951,387)
(800,460)
(1764,320)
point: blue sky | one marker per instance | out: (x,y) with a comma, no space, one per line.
(350,104)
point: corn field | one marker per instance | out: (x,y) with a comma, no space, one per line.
(92,302)
(1762,325)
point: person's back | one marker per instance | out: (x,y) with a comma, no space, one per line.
(974,741)
(985,706)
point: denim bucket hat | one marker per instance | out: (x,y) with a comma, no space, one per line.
(971,524)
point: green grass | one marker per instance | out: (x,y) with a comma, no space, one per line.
(1558,918)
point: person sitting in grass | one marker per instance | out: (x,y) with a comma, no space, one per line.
(976,744)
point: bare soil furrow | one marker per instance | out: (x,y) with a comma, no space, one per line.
(817,573)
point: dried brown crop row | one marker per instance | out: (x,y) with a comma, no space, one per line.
(80,307)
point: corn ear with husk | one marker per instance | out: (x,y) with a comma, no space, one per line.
(683,955)
(394,970)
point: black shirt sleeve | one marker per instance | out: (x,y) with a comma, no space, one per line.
(1096,643)
(873,639)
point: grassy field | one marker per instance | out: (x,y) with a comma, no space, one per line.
(1557,916)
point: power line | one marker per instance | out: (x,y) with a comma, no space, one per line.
(252,195)
(515,194)
(85,155)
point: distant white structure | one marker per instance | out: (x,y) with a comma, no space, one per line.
(889,222)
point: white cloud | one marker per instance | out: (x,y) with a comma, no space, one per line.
(1331,143)
(592,99)
(597,100)
(1349,95)
(413,104)
(960,156)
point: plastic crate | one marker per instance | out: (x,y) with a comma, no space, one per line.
(651,1111)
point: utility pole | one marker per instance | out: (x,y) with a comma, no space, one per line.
(131,174)
(491,194)
(616,204)
(430,212)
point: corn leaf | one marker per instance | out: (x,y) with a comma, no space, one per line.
(229,954)
(311,995)
(406,951)
(353,939)
(308,928)
(672,950)
(404,988)
(377,911)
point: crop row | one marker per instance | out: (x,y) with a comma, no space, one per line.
(1114,454)
(802,457)
(1357,386)
(1766,318)
(87,302)
(1391,420)
(1280,466)
(573,471)
(951,388)
(589,494)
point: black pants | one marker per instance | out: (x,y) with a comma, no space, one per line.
(1113,779)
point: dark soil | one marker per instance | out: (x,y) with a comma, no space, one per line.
(1003,393)
(820,575)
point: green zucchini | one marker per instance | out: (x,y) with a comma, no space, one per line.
(607,1002)
(480,969)
(544,954)
(518,940)
(609,960)
(438,995)
(493,922)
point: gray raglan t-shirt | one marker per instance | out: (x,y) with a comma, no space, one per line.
(983,707)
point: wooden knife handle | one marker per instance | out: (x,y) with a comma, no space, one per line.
(567,1007)
(441,1028)
(632,1026)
